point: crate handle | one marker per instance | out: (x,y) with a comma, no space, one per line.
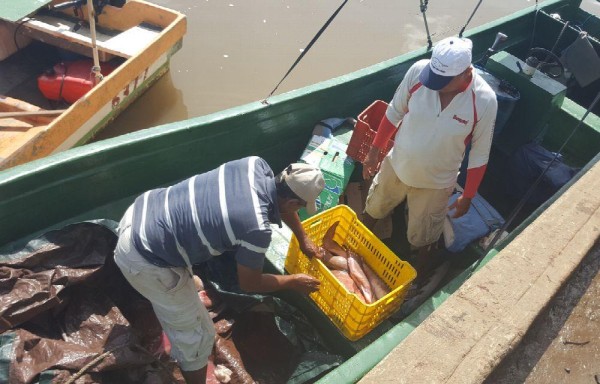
(315,223)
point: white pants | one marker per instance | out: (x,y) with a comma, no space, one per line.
(174,298)
(427,208)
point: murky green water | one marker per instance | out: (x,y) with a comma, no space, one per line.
(235,52)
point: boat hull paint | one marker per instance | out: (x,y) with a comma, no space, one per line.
(111,110)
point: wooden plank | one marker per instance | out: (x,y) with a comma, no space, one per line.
(18,114)
(131,41)
(7,42)
(124,44)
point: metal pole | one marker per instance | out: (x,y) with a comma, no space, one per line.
(92,20)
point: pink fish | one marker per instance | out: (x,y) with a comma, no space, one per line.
(344,278)
(378,287)
(330,244)
(335,262)
(358,275)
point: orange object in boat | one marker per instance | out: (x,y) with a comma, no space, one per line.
(70,80)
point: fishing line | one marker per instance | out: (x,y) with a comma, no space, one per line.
(534,24)
(529,192)
(310,44)
(470,17)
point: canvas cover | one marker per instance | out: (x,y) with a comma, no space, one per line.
(67,313)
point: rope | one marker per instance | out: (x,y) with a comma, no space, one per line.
(423,7)
(89,365)
(102,356)
(562,31)
(19,25)
(529,192)
(310,44)
(92,21)
(460,34)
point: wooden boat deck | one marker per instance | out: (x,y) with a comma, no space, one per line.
(20,72)
(57,29)
(22,126)
(19,92)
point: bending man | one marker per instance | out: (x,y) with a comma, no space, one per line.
(167,230)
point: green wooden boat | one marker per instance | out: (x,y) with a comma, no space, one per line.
(100,180)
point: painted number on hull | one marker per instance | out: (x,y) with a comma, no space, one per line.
(139,79)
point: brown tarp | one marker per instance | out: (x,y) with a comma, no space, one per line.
(65,306)
(68,315)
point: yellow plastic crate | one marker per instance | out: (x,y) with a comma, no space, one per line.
(351,315)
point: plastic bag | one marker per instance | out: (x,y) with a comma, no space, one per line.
(480,219)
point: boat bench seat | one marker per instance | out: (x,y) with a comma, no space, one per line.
(58,31)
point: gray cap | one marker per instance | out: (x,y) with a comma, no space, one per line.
(306,182)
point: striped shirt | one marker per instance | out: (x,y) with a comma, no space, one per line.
(228,208)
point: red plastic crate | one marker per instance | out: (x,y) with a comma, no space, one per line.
(365,130)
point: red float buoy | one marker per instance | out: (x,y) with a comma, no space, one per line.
(70,80)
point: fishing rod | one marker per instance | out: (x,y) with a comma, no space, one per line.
(305,50)
(529,192)
(424,4)
(423,7)
(460,34)
(535,17)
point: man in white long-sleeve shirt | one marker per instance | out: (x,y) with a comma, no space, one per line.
(440,107)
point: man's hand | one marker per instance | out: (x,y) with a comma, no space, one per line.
(304,283)
(253,280)
(371,163)
(310,249)
(462,205)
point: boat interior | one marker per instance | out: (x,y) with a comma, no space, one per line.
(58,32)
(550,110)
(47,57)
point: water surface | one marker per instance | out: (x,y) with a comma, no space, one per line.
(236,52)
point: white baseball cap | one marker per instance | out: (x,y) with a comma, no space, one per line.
(306,182)
(450,57)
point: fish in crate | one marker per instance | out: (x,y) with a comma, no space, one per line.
(362,281)
(352,270)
